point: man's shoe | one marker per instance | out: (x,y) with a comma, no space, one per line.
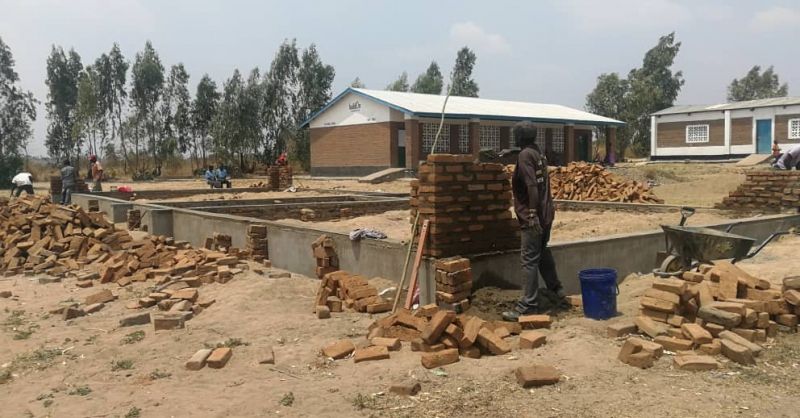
(511,316)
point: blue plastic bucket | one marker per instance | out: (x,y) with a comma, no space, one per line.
(599,290)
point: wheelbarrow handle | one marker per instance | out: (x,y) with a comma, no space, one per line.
(763,244)
(731,226)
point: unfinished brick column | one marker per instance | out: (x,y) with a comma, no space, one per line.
(766,190)
(611,141)
(505,137)
(454,137)
(468,205)
(569,144)
(413,143)
(475,137)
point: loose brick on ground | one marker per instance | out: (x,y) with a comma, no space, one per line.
(696,333)
(531,339)
(695,362)
(198,360)
(650,327)
(437,325)
(621,329)
(642,360)
(490,341)
(538,375)
(737,353)
(439,358)
(738,339)
(102,296)
(393,344)
(219,357)
(339,349)
(374,352)
(268,357)
(408,388)
(535,321)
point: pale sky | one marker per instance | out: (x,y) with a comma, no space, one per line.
(536,51)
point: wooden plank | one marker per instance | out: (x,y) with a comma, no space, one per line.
(412,286)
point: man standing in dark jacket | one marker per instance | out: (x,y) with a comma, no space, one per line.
(67,183)
(535,211)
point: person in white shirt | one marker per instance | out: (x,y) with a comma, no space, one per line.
(790,159)
(20,182)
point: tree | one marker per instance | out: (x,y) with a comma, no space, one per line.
(757,85)
(653,87)
(226,126)
(90,113)
(17,112)
(463,84)
(430,82)
(608,99)
(357,84)
(280,101)
(315,80)
(148,85)
(175,108)
(204,110)
(63,72)
(401,84)
(118,96)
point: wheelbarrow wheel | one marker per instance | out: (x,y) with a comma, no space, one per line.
(671,266)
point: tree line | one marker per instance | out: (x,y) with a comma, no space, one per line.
(654,86)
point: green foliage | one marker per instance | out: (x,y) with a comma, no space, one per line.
(461,77)
(146,91)
(176,108)
(280,112)
(133,337)
(314,91)
(757,85)
(80,391)
(646,90)
(204,110)
(401,84)
(430,82)
(17,113)
(63,75)
(361,402)
(134,412)
(287,399)
(121,365)
(159,374)
(358,84)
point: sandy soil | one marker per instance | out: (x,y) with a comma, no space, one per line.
(65,368)
(568,225)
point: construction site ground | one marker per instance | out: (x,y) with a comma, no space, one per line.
(73,368)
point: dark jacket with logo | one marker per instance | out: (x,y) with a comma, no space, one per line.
(531,169)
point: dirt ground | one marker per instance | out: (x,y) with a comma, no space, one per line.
(90,367)
(568,225)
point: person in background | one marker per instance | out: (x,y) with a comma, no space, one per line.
(20,182)
(789,159)
(776,151)
(67,182)
(210,177)
(97,174)
(282,160)
(223,177)
(535,210)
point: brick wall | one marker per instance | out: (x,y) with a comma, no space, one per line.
(673,134)
(766,190)
(468,206)
(742,131)
(367,145)
(319,211)
(782,128)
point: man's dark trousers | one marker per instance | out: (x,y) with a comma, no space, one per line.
(536,257)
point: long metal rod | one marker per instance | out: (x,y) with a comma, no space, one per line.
(415,227)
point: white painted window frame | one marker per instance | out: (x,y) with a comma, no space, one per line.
(694,141)
(789,128)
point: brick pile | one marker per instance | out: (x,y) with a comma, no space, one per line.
(134,219)
(442,337)
(56,187)
(453,282)
(765,190)
(339,290)
(591,182)
(218,242)
(720,309)
(39,237)
(257,244)
(280,177)
(325,256)
(467,204)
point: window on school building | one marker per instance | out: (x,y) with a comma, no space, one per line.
(429,135)
(558,140)
(490,137)
(541,140)
(794,128)
(463,139)
(696,134)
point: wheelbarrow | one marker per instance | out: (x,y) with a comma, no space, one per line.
(687,246)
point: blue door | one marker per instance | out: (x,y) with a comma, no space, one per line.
(764,136)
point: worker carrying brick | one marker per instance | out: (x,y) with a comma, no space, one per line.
(789,159)
(20,182)
(97,174)
(535,211)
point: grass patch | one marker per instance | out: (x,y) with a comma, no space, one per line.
(661,173)
(159,374)
(121,365)
(16,323)
(80,391)
(5,376)
(230,343)
(134,412)
(363,402)
(38,359)
(287,399)
(133,337)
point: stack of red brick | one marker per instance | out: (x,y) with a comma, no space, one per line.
(467,204)
(341,289)
(719,310)
(773,190)
(442,336)
(454,282)
(257,244)
(280,177)
(325,254)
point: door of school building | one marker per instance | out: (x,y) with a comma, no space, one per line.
(401,148)
(764,136)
